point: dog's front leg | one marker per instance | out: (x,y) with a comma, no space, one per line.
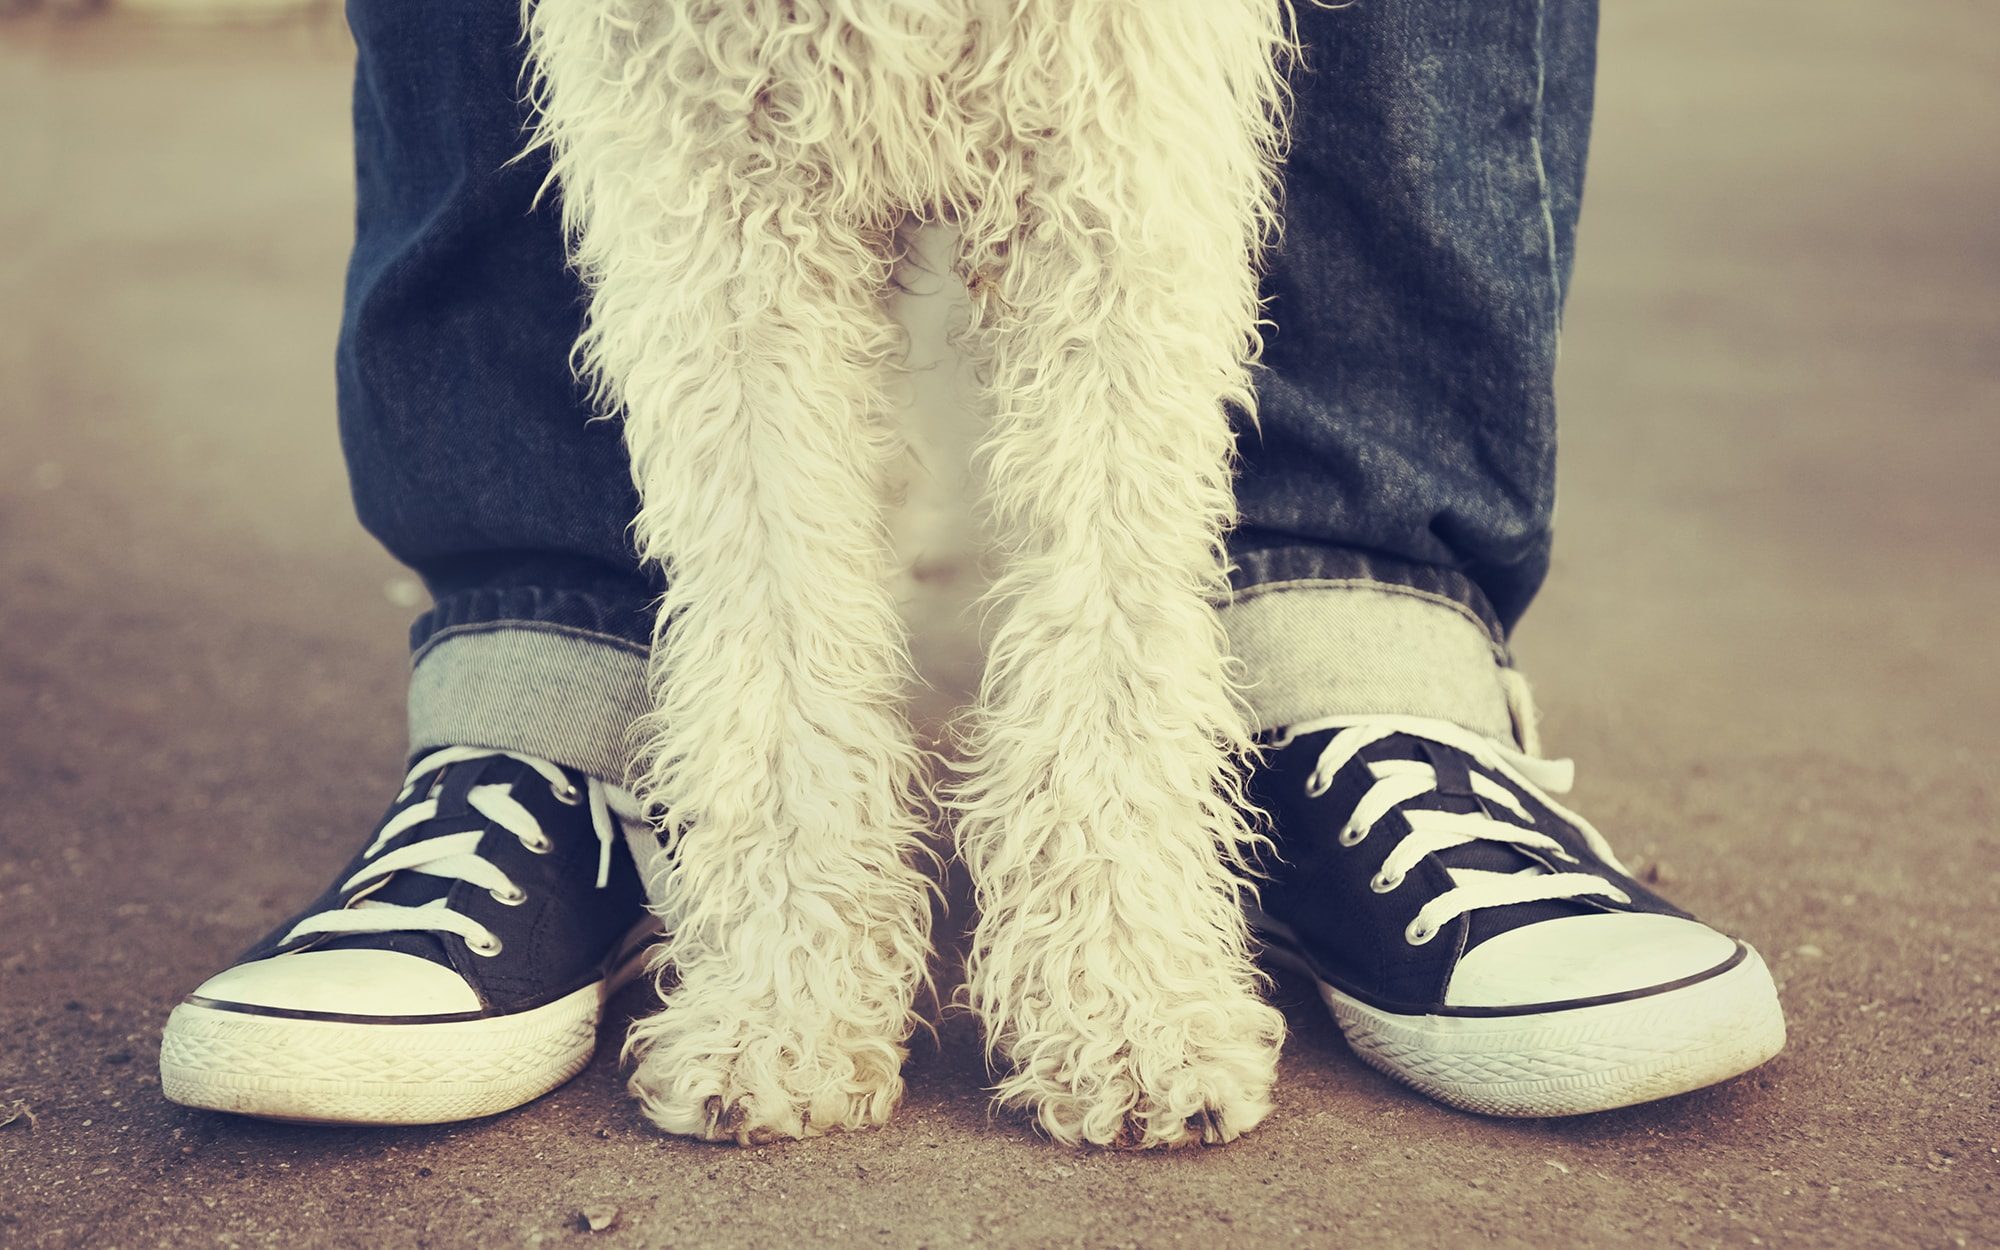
(736,322)
(1102,818)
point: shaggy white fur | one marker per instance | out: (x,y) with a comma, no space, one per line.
(732,172)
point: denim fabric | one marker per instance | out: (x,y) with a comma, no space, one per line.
(467,439)
(1322,631)
(1406,450)
(1431,195)
(532,686)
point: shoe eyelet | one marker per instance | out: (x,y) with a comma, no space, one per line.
(1381,883)
(569,796)
(486,947)
(1315,787)
(1417,936)
(1350,836)
(538,846)
(510,898)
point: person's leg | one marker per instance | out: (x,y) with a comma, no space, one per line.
(458,964)
(468,439)
(1395,523)
(1400,491)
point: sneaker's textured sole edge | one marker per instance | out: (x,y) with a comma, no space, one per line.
(1580,1060)
(356,1073)
(336,1072)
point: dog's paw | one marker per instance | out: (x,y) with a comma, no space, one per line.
(1145,1073)
(752,1076)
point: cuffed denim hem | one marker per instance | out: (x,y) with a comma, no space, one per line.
(1327,631)
(541,688)
(615,608)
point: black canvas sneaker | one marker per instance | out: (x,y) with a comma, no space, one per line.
(1481,943)
(456,969)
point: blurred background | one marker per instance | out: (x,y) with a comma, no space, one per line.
(1769,640)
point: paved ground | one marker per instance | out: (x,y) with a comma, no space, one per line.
(1769,640)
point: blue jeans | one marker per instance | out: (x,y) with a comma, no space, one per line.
(1395,509)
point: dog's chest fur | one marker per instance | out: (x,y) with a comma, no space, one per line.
(916,102)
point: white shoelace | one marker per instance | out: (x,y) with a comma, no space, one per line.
(455,857)
(1399,781)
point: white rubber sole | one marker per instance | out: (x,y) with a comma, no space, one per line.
(360,1073)
(1575,1060)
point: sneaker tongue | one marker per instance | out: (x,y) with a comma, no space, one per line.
(1455,794)
(452,787)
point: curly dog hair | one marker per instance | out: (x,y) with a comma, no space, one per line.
(732,173)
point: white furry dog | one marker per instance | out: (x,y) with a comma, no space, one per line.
(732,172)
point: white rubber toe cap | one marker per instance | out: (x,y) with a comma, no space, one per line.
(1585,957)
(344,982)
